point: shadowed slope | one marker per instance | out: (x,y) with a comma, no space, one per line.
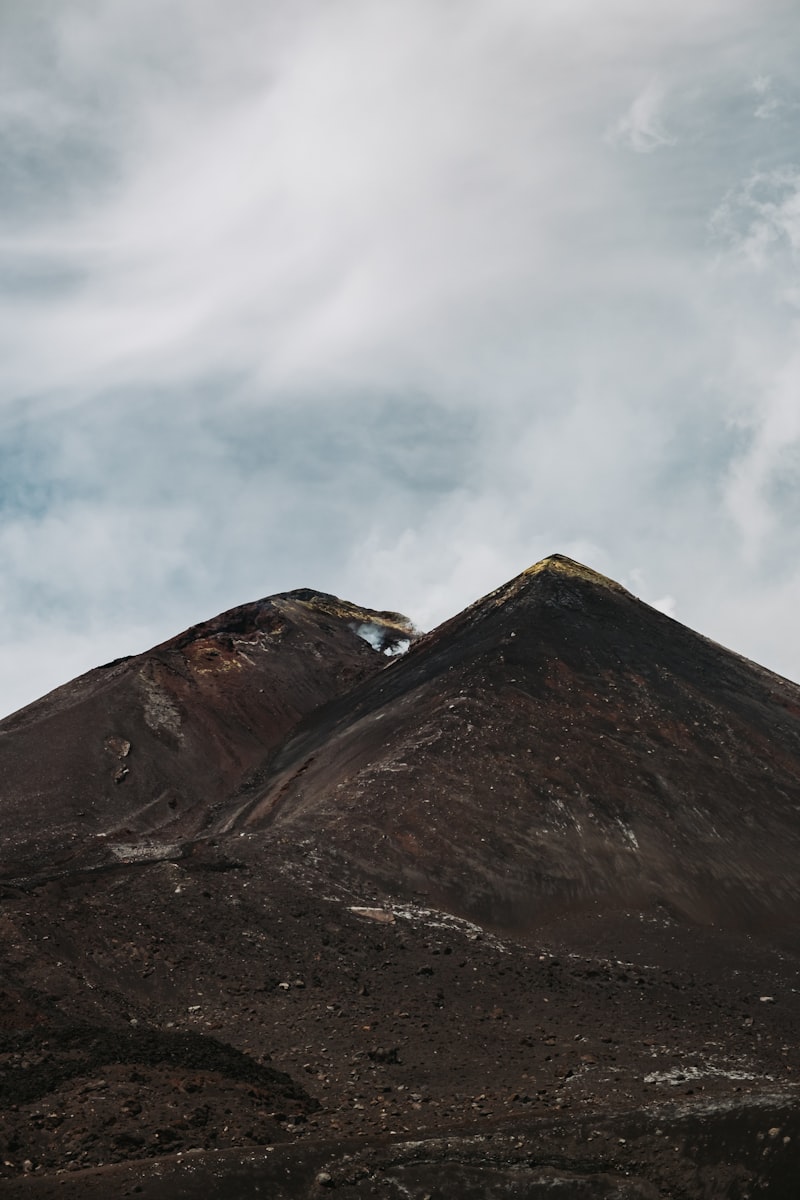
(146,747)
(558,743)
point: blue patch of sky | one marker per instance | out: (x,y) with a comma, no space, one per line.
(26,277)
(28,485)
(314,470)
(407,441)
(719,142)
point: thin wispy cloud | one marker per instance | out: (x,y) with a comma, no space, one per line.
(642,126)
(391,300)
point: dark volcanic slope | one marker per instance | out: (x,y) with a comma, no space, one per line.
(146,747)
(235,956)
(558,744)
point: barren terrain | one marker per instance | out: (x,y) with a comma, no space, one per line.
(512,914)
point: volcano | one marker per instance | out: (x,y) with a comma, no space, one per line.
(147,747)
(559,744)
(302,900)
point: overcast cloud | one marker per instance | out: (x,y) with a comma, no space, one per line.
(391,299)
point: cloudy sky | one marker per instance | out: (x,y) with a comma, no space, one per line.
(392,298)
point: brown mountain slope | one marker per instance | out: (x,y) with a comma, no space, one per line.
(558,744)
(143,749)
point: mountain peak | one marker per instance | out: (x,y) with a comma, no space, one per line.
(605,753)
(560,564)
(552,578)
(382,629)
